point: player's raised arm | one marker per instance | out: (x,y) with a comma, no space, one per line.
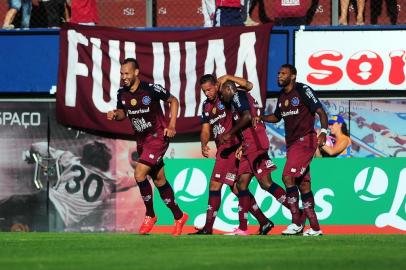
(170,131)
(242,83)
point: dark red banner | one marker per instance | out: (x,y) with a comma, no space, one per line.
(90,57)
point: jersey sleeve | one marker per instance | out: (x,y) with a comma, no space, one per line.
(205,115)
(119,101)
(240,101)
(309,98)
(277,111)
(159,92)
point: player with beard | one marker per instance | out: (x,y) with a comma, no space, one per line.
(297,105)
(217,118)
(140,102)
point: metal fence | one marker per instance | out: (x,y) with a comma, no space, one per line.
(189,13)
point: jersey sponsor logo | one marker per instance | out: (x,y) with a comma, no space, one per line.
(288,113)
(295,101)
(158,88)
(140,124)
(217,130)
(131,112)
(309,93)
(218,117)
(146,100)
(236,100)
(220,106)
(133,102)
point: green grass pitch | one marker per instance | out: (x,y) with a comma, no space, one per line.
(128,251)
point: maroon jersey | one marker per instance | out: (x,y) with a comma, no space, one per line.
(143,108)
(254,139)
(297,108)
(220,118)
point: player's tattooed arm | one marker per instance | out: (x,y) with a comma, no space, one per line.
(170,131)
(243,83)
(118,115)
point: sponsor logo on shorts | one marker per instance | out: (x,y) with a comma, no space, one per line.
(146,100)
(293,170)
(230,176)
(302,170)
(259,171)
(151,156)
(269,163)
(217,175)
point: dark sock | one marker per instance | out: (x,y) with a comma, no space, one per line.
(308,207)
(212,208)
(168,198)
(279,194)
(292,194)
(146,194)
(256,211)
(243,206)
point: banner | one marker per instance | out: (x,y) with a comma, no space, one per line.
(89,68)
(333,63)
(369,192)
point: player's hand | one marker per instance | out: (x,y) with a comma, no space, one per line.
(238,152)
(255,120)
(321,139)
(224,138)
(111,115)
(169,132)
(205,150)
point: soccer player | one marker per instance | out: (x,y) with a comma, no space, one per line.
(254,160)
(297,105)
(85,183)
(217,118)
(140,102)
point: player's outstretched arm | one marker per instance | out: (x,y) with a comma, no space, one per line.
(170,131)
(118,115)
(204,139)
(243,83)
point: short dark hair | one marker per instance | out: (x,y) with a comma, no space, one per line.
(133,61)
(208,78)
(229,84)
(96,154)
(291,68)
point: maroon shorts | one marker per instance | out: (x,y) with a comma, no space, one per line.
(299,155)
(226,166)
(258,163)
(152,150)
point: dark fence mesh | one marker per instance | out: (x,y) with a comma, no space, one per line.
(189,13)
